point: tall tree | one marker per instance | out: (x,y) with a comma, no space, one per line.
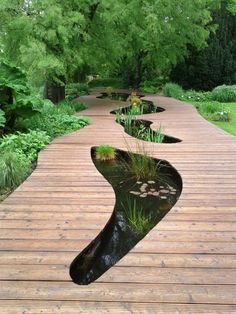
(158,32)
(54,39)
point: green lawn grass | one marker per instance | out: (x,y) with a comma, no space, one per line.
(229,127)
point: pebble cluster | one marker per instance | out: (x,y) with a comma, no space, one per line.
(148,188)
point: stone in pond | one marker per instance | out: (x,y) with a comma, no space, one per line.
(139,182)
(143,195)
(134,193)
(151,182)
(164,191)
(155,193)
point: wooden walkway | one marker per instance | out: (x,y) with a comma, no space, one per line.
(186,264)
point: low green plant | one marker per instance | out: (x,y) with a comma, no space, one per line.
(13,168)
(105,153)
(149,135)
(54,124)
(26,145)
(140,165)
(192,95)
(209,108)
(221,116)
(224,93)
(74,90)
(136,217)
(173,90)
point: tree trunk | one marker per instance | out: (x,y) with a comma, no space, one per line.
(55,91)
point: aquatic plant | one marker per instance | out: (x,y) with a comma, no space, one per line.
(140,165)
(105,153)
(149,135)
(136,217)
(109,91)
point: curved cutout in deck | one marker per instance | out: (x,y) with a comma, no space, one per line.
(147,107)
(134,129)
(139,206)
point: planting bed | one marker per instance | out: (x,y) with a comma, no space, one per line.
(140,204)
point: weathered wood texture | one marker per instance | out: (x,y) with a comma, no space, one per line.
(186,264)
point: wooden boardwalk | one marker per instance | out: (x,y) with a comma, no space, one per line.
(186,264)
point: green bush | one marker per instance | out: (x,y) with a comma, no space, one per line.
(26,145)
(152,86)
(224,93)
(207,108)
(74,90)
(192,95)
(173,90)
(16,99)
(13,168)
(55,124)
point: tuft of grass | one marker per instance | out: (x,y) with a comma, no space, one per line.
(140,165)
(13,168)
(105,153)
(149,135)
(136,217)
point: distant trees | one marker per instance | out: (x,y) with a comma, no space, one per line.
(61,41)
(216,64)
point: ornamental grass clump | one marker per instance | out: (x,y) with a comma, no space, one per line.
(14,168)
(136,217)
(105,153)
(140,165)
(224,93)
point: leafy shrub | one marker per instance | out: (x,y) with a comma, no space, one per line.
(207,108)
(2,119)
(15,98)
(26,145)
(55,124)
(74,90)
(224,93)
(13,168)
(173,90)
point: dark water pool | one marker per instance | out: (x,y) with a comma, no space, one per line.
(140,205)
(141,130)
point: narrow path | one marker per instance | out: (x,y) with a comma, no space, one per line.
(186,264)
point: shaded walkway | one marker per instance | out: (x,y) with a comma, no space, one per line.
(186,264)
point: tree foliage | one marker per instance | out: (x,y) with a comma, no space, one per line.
(60,41)
(216,64)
